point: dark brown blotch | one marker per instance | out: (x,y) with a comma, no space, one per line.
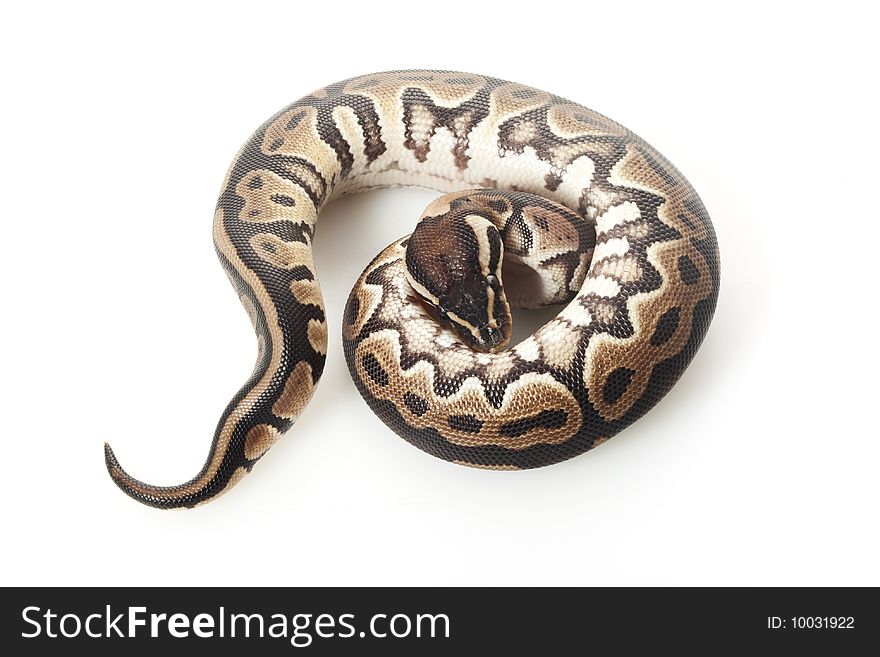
(666,326)
(466,423)
(283,199)
(552,419)
(416,405)
(616,384)
(374,370)
(688,270)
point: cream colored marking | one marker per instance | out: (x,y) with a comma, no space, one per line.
(480,466)
(464,324)
(445,339)
(281,254)
(479,225)
(625,269)
(258,441)
(298,390)
(490,307)
(249,308)
(616,246)
(634,171)
(638,230)
(560,345)
(617,215)
(563,155)
(422,126)
(258,188)
(419,334)
(317,334)
(569,120)
(512,98)
(421,289)
(443,204)
(599,201)
(462,124)
(559,236)
(236,476)
(301,140)
(575,313)
(307,176)
(580,272)
(501,364)
(483,359)
(528,349)
(369,296)
(605,312)
(347,122)
(602,286)
(524,132)
(307,293)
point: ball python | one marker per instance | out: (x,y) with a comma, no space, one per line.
(561,203)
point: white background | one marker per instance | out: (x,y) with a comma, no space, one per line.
(760,467)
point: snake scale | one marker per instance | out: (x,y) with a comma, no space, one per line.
(563,204)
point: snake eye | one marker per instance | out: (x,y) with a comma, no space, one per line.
(441,311)
(491,280)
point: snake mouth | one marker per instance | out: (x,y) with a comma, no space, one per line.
(487,337)
(490,339)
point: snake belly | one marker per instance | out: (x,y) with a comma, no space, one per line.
(618,346)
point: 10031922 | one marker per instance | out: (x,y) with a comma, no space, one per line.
(811,623)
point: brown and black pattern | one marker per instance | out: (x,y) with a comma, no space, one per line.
(641,284)
(455,254)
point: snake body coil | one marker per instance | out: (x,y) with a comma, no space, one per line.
(563,203)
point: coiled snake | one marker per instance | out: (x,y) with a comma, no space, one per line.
(569,206)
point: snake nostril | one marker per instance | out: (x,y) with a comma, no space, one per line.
(489,335)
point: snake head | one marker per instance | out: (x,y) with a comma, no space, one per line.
(453,263)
